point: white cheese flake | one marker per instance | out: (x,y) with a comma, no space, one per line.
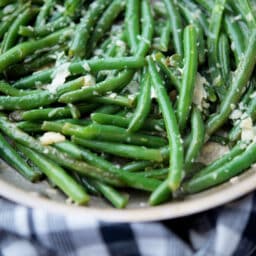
(49,138)
(59,77)
(89,80)
(200,94)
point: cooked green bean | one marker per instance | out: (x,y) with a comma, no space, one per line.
(57,175)
(239,81)
(79,43)
(108,85)
(114,134)
(44,12)
(175,23)
(223,173)
(131,179)
(143,105)
(12,157)
(197,137)
(189,76)
(173,134)
(123,150)
(132,25)
(22,50)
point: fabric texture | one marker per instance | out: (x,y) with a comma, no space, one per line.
(224,231)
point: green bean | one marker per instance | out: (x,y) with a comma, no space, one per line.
(114,99)
(101,88)
(131,179)
(176,24)
(132,25)
(144,40)
(45,30)
(223,173)
(233,153)
(246,10)
(26,102)
(197,137)
(208,5)
(40,99)
(114,134)
(116,120)
(13,159)
(123,150)
(224,57)
(105,22)
(11,35)
(143,106)
(79,43)
(52,126)
(3,3)
(212,42)
(156,174)
(107,109)
(27,126)
(239,81)
(11,91)
(4,25)
(165,38)
(83,67)
(22,50)
(173,134)
(57,175)
(60,158)
(236,37)
(161,194)
(117,199)
(189,76)
(136,166)
(162,63)
(18,70)
(44,12)
(73,7)
(192,18)
(50,113)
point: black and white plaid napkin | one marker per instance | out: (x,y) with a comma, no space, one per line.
(224,231)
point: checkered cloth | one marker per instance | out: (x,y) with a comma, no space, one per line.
(227,230)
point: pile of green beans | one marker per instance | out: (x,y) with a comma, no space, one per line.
(104,97)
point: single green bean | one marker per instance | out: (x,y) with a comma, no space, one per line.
(143,105)
(144,40)
(176,24)
(189,76)
(132,25)
(44,12)
(123,150)
(224,57)
(197,137)
(173,134)
(116,198)
(13,159)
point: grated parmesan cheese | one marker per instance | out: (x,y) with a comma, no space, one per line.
(248,131)
(200,94)
(49,138)
(89,80)
(59,77)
